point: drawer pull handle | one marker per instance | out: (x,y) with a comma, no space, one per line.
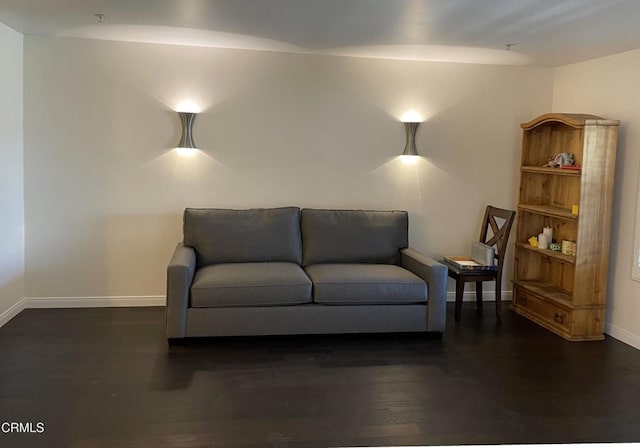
(559,318)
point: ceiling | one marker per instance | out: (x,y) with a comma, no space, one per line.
(543,32)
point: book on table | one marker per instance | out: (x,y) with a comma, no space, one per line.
(482,258)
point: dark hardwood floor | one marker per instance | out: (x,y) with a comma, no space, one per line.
(106,378)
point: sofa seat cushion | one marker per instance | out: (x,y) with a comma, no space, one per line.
(250,284)
(360,284)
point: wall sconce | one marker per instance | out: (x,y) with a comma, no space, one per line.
(410,147)
(186,145)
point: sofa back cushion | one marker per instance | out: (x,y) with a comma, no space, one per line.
(243,236)
(353,236)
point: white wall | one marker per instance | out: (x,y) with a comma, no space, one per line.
(105,191)
(609,87)
(11,175)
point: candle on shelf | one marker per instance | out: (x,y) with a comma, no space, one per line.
(543,241)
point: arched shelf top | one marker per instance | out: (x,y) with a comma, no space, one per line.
(573,120)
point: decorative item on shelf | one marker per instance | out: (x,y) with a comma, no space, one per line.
(543,241)
(533,241)
(571,167)
(556,247)
(410,146)
(561,160)
(186,139)
(567,247)
(549,232)
(574,209)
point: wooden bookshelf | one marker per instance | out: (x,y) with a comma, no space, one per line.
(565,293)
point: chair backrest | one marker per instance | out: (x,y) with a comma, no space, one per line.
(495,231)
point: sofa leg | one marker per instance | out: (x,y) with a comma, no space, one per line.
(434,335)
(175,341)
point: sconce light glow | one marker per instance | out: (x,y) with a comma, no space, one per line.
(409,160)
(188,106)
(186,152)
(411,116)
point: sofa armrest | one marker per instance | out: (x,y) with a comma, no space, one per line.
(179,278)
(435,274)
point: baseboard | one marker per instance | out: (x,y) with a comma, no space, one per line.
(622,335)
(12,312)
(487,296)
(80,302)
(93,302)
(135,301)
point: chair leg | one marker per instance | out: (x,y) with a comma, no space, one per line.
(479,295)
(459,295)
(499,299)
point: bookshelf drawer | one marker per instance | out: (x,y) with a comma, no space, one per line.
(531,304)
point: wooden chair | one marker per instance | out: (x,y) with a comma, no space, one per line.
(499,221)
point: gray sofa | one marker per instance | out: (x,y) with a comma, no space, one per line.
(290,271)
